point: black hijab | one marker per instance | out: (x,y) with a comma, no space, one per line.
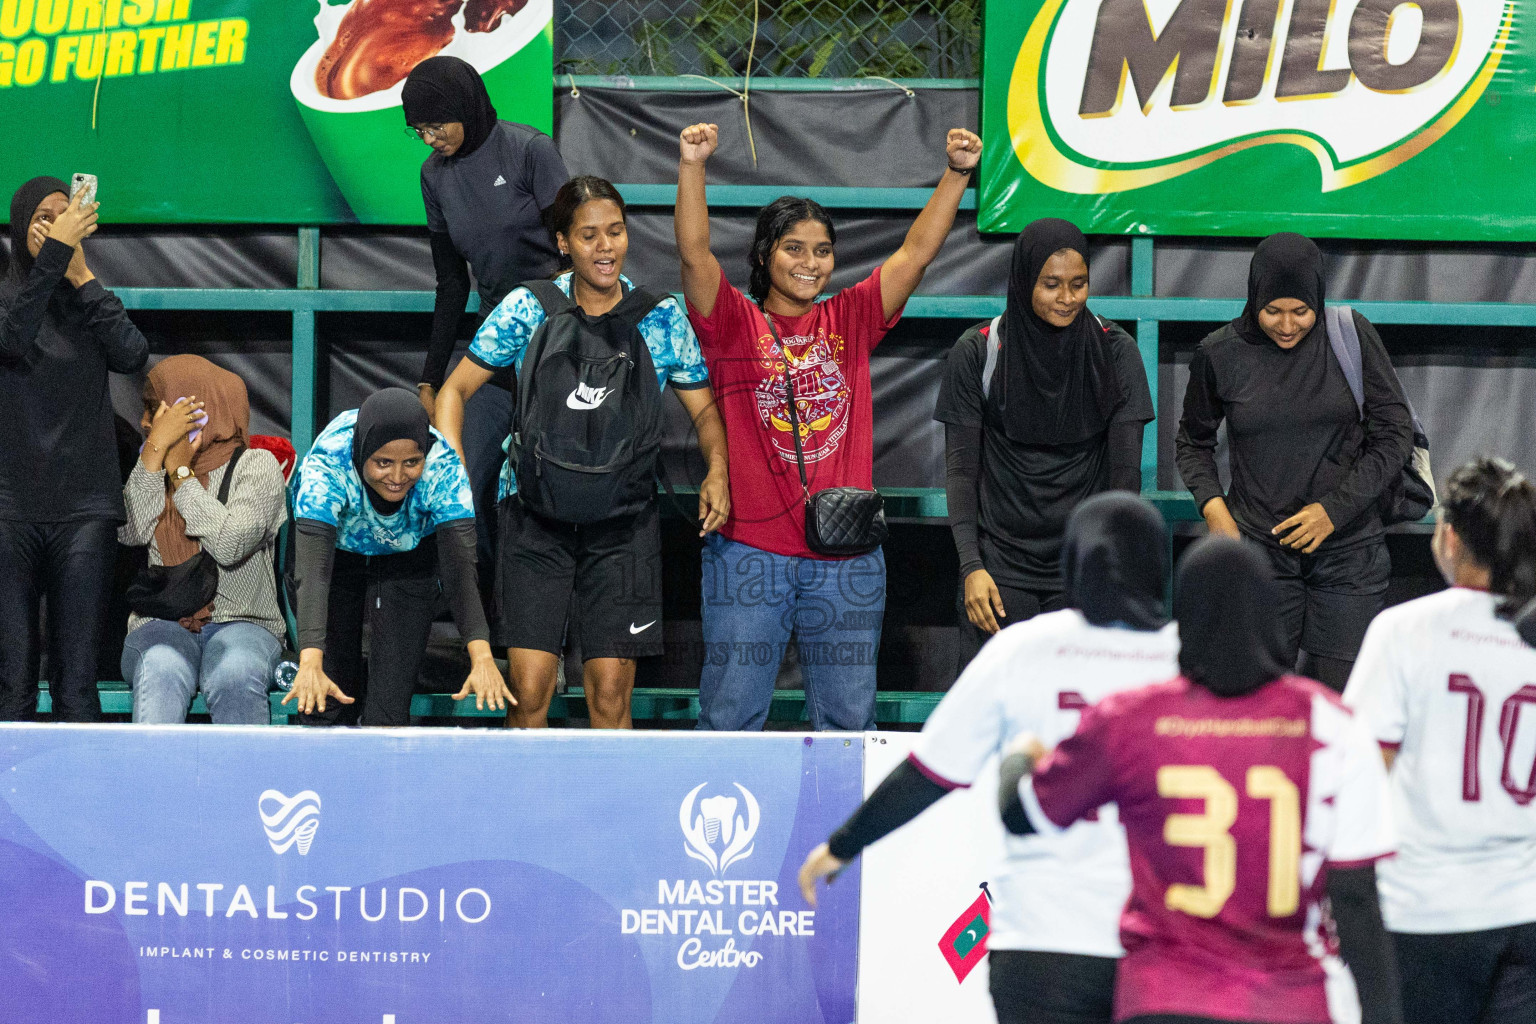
(23,205)
(1114,561)
(1285,266)
(1225,599)
(444,89)
(393,414)
(1059,385)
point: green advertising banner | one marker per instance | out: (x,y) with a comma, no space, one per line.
(217,111)
(1411,119)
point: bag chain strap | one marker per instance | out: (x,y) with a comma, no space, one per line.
(789,400)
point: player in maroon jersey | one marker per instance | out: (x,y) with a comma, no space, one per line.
(1248,796)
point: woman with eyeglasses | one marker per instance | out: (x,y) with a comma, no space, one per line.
(487,187)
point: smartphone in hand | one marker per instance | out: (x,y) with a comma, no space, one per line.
(83,185)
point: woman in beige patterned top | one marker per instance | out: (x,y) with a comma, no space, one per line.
(196,418)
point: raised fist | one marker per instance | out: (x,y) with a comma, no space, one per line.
(963,149)
(698,142)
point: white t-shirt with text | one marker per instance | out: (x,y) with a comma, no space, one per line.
(1450,685)
(1062,893)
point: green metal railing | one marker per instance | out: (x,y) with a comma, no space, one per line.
(647,704)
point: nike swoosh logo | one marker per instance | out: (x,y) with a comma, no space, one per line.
(585,399)
(641,629)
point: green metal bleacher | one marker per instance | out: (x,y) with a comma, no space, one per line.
(647,705)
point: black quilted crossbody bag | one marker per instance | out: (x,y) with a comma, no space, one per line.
(180,591)
(839,521)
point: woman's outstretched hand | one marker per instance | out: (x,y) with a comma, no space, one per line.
(819,864)
(485,680)
(312,687)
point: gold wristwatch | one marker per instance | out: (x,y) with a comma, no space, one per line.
(182,474)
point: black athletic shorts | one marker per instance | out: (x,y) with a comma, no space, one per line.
(1486,977)
(1328,599)
(1030,987)
(613,568)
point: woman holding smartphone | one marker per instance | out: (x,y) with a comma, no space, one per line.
(61,496)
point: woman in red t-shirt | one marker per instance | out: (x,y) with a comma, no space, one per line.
(761,581)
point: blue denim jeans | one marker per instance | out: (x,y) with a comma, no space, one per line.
(231,662)
(754,600)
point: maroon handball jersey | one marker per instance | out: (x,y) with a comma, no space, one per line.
(1233,808)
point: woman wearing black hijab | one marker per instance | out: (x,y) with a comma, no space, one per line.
(1043,407)
(1056,900)
(61,495)
(1221,921)
(1308,473)
(486,187)
(376,485)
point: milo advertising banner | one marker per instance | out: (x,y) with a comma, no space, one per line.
(1360,118)
(272,111)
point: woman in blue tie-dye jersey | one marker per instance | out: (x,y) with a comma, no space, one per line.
(375,485)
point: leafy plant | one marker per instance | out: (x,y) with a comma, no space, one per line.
(653,44)
(810,38)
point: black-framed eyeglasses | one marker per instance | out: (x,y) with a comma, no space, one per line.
(428,133)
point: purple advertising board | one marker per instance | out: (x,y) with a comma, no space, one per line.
(205,875)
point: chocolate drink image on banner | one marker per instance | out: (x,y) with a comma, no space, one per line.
(347,85)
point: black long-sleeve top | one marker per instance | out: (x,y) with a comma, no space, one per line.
(1009,502)
(57,344)
(447,306)
(315,558)
(1294,432)
(486,210)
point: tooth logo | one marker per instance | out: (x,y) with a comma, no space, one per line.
(289,821)
(1113,95)
(586,397)
(717,835)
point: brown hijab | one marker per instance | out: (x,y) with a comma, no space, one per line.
(229,418)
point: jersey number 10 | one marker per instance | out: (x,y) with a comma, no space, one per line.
(1509,726)
(1211,830)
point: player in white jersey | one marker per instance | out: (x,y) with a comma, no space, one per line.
(1449,690)
(1054,939)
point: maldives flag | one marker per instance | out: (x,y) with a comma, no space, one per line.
(965,943)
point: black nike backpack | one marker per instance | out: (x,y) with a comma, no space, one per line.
(589,416)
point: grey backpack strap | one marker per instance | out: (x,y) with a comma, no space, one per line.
(994,342)
(1339,325)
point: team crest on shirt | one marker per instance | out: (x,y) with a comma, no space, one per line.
(822,393)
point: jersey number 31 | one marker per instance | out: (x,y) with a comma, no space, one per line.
(1211,831)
